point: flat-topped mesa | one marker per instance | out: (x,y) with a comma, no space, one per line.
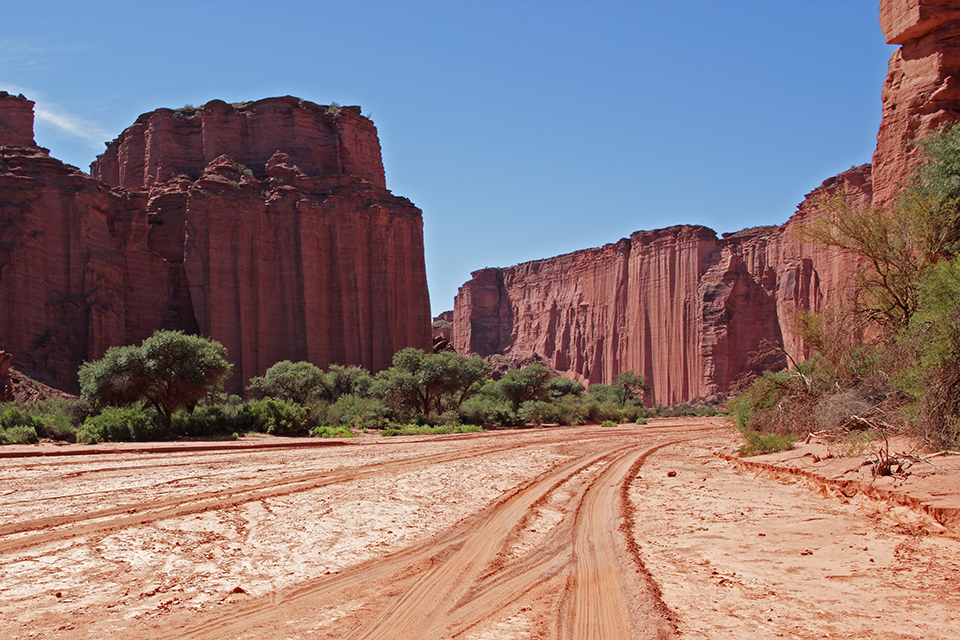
(922,89)
(16,121)
(330,146)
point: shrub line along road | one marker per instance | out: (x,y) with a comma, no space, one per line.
(573,533)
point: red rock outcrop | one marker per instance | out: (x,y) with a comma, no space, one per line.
(266,226)
(922,89)
(679,305)
(16,121)
(6,385)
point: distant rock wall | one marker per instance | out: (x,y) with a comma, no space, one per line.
(680,306)
(266,226)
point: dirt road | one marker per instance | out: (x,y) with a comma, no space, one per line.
(625,532)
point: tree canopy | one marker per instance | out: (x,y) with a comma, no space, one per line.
(286,380)
(169,370)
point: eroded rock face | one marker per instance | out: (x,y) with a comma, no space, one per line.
(266,226)
(16,121)
(687,309)
(922,89)
(679,305)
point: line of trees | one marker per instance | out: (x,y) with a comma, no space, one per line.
(171,386)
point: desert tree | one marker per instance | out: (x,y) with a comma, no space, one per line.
(169,370)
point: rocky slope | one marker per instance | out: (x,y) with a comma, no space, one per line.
(266,226)
(685,308)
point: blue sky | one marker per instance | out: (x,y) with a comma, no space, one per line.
(522,129)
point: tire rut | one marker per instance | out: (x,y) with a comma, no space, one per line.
(466,577)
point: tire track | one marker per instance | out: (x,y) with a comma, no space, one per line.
(463,579)
(19,535)
(132,514)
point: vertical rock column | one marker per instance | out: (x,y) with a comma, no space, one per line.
(922,89)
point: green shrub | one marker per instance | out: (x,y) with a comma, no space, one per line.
(291,381)
(14,416)
(277,417)
(354,411)
(211,420)
(488,408)
(760,443)
(19,434)
(332,432)
(537,412)
(608,423)
(449,418)
(422,430)
(122,424)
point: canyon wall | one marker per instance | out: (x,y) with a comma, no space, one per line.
(265,225)
(687,309)
(922,88)
(680,306)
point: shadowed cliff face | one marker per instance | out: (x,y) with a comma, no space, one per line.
(266,226)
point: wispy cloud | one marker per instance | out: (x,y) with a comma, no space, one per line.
(62,122)
(71,125)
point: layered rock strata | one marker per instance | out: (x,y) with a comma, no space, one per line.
(680,306)
(266,226)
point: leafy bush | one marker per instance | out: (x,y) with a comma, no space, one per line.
(488,407)
(602,392)
(608,423)
(20,434)
(54,418)
(14,416)
(760,443)
(423,430)
(291,381)
(354,412)
(522,385)
(332,432)
(560,386)
(537,412)
(122,424)
(211,420)
(932,375)
(277,417)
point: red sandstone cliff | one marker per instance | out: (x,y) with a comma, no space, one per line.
(922,89)
(685,308)
(266,226)
(679,305)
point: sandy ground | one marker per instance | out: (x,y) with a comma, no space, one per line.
(574,533)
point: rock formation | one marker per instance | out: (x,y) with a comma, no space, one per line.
(680,306)
(686,309)
(6,385)
(266,226)
(922,89)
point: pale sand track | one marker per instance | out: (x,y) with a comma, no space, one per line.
(553,533)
